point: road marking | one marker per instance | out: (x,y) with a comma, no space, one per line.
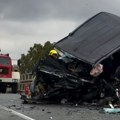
(16,113)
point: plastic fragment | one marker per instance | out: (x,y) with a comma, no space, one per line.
(112,110)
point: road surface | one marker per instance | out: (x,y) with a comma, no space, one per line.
(11,107)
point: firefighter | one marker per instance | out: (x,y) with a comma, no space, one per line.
(54,54)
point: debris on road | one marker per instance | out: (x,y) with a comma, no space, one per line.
(112,110)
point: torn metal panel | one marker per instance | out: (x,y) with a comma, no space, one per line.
(97,38)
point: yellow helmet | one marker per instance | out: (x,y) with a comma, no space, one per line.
(52,52)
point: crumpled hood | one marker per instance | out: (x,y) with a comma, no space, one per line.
(94,40)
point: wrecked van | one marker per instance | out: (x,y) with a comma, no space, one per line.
(88,68)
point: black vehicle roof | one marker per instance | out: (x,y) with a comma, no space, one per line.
(94,40)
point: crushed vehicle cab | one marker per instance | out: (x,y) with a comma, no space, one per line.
(88,66)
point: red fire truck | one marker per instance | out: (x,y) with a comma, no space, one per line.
(8,77)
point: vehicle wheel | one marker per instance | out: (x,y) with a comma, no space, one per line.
(14,88)
(0,89)
(3,89)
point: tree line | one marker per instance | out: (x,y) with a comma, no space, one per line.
(27,62)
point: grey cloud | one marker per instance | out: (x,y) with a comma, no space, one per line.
(22,9)
(29,10)
(36,21)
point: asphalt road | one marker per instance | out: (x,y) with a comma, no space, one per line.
(6,115)
(49,111)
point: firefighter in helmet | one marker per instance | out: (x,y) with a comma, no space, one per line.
(54,54)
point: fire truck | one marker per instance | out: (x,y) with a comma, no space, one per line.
(9,75)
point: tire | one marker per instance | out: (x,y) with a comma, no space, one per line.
(14,88)
(0,89)
(3,89)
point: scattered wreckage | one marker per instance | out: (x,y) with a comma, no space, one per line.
(89,67)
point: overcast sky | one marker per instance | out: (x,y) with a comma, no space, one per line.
(25,22)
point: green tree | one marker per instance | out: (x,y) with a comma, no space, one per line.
(35,53)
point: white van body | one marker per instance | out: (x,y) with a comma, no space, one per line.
(16,77)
